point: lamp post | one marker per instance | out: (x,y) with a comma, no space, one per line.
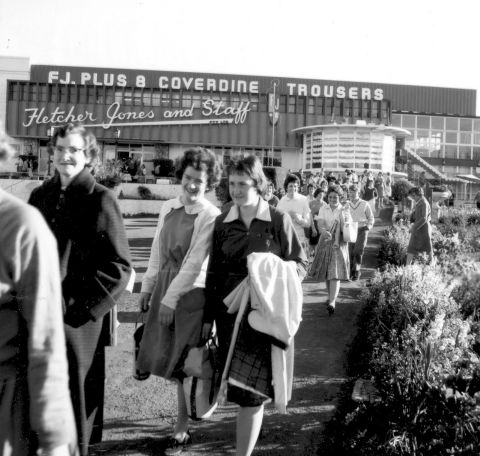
(50,133)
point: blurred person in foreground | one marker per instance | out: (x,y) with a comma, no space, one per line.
(36,414)
(174,283)
(331,263)
(254,237)
(95,268)
(420,229)
(361,213)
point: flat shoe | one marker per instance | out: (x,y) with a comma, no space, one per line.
(330,309)
(174,446)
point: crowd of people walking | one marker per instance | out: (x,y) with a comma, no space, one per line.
(234,276)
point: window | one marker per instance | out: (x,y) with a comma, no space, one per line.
(465,152)
(110,95)
(465,138)
(451,137)
(408,121)
(165,100)
(423,122)
(300,105)
(451,151)
(41,92)
(147,97)
(186,100)
(175,100)
(254,102)
(32,92)
(63,94)
(451,124)
(137,97)
(465,124)
(438,123)
(156,98)
(283,103)
(118,96)
(73,94)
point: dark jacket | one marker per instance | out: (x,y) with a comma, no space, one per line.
(92,244)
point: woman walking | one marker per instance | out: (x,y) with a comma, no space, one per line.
(95,268)
(173,286)
(331,263)
(250,226)
(420,228)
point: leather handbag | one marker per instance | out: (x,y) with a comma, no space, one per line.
(201,384)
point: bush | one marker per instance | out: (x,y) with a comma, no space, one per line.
(400,189)
(393,247)
(145,193)
(417,349)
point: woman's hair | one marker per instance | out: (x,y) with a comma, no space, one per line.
(251,166)
(418,191)
(318,191)
(91,146)
(200,159)
(289,179)
(335,189)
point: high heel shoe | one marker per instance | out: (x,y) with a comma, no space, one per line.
(331,308)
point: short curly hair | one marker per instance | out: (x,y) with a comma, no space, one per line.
(251,166)
(200,159)
(335,189)
(91,146)
(289,179)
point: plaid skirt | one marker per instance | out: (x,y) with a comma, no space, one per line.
(330,263)
(250,373)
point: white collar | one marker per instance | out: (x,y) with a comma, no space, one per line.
(196,208)
(263,212)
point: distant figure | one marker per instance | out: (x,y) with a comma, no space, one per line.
(477,200)
(269,196)
(420,228)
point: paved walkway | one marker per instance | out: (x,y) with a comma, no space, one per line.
(139,415)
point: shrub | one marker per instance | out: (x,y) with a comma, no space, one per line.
(145,193)
(393,247)
(417,348)
(400,189)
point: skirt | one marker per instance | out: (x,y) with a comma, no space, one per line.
(330,263)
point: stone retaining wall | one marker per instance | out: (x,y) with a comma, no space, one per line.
(22,188)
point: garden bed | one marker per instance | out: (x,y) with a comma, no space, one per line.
(416,352)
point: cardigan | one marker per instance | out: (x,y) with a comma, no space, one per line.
(193,270)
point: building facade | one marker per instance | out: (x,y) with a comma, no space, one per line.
(158,114)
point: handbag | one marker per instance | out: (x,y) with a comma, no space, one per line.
(201,384)
(350,230)
(137,338)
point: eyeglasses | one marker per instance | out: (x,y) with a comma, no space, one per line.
(71,150)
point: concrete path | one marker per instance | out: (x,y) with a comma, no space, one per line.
(139,415)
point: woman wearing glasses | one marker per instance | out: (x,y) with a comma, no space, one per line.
(95,267)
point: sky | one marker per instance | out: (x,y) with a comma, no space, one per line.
(417,42)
